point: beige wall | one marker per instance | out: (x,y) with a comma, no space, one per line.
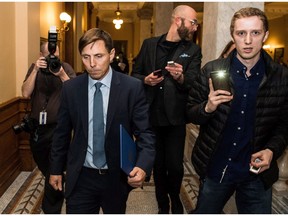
(26,39)
(22,26)
(7,54)
(50,12)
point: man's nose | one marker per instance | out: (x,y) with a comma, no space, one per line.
(92,63)
(248,39)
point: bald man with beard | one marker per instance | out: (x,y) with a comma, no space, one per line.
(167,95)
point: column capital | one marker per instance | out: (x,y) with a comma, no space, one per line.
(145,13)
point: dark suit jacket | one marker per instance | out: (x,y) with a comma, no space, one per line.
(115,66)
(188,54)
(127,106)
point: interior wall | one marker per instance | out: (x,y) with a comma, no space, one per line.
(136,47)
(125,33)
(49,16)
(23,23)
(26,39)
(278,31)
(7,54)
(79,27)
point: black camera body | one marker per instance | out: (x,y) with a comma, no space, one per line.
(53,62)
(25,125)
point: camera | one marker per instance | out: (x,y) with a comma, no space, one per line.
(25,125)
(53,62)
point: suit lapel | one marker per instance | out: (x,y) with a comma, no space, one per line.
(178,51)
(83,105)
(152,54)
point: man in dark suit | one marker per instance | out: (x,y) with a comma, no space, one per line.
(90,186)
(167,96)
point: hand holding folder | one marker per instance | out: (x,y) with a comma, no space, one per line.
(128,152)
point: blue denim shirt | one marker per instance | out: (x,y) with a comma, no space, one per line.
(231,160)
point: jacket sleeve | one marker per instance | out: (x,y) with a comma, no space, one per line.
(62,136)
(197,100)
(138,69)
(145,138)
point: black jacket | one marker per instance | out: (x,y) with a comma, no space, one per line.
(188,54)
(271,121)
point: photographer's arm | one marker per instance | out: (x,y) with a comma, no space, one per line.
(29,83)
(62,75)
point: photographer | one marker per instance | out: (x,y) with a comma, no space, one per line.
(44,86)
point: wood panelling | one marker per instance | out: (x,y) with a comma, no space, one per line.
(15,154)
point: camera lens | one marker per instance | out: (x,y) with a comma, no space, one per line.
(18,128)
(54,65)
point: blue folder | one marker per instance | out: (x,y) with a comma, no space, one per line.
(128,152)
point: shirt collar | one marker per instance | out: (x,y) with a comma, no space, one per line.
(259,67)
(106,80)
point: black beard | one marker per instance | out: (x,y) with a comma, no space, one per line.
(184,33)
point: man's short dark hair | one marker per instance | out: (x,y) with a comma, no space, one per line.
(93,35)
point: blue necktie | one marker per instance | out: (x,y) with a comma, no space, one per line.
(99,158)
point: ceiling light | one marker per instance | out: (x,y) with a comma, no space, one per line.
(118,22)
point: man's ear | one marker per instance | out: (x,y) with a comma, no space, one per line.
(178,21)
(266,36)
(112,54)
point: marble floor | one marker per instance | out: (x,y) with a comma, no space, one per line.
(24,195)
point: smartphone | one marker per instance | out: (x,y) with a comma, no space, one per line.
(220,80)
(158,73)
(255,169)
(171,64)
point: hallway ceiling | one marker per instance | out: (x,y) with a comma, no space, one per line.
(106,10)
(276,9)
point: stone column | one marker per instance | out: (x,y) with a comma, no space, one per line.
(79,28)
(281,187)
(162,17)
(145,15)
(216,26)
(94,18)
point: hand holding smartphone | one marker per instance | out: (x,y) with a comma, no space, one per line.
(255,169)
(171,64)
(220,80)
(158,73)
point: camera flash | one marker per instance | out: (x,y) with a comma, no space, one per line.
(221,74)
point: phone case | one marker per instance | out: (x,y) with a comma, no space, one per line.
(220,80)
(170,63)
(158,73)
